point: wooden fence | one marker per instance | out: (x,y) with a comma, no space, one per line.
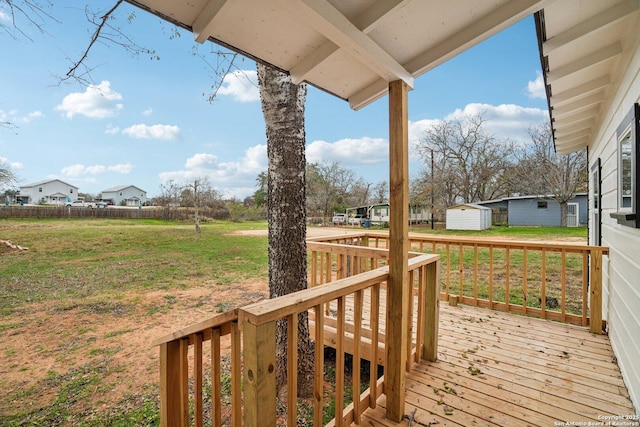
(112,212)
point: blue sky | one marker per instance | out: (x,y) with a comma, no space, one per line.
(144,122)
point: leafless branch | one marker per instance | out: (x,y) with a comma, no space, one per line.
(34,12)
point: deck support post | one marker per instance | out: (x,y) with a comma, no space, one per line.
(431,312)
(398,285)
(595,293)
(259,374)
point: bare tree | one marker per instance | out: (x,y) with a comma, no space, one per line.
(169,198)
(380,192)
(331,187)
(464,162)
(7,177)
(541,172)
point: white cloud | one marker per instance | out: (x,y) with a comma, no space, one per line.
(14,118)
(79,170)
(242,85)
(96,102)
(142,131)
(536,87)
(506,120)
(112,130)
(12,165)
(349,152)
(234,178)
(4,16)
(147,112)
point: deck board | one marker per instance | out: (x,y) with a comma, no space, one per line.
(532,372)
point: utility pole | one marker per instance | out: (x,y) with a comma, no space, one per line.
(432,226)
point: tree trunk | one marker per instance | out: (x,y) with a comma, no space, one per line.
(283,110)
(563,214)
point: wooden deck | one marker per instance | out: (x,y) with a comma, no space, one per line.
(501,369)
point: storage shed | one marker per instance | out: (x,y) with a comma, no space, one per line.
(468,216)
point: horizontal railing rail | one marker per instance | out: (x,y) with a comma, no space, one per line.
(549,280)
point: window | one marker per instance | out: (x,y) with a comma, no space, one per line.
(542,204)
(628,184)
(39,189)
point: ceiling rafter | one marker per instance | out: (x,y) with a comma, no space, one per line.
(331,23)
(207,20)
(580,103)
(579,91)
(566,148)
(599,22)
(587,123)
(585,62)
(365,22)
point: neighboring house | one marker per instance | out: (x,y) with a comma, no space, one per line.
(541,210)
(125,195)
(51,191)
(591,67)
(468,216)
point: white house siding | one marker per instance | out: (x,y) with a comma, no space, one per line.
(131,195)
(50,192)
(622,268)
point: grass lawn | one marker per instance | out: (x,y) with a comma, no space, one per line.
(79,308)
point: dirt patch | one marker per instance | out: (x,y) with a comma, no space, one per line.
(46,344)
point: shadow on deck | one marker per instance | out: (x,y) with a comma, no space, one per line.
(502,369)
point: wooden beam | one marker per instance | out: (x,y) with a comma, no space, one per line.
(397,286)
(207,20)
(331,23)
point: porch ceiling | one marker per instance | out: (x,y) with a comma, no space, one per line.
(351,49)
(585,46)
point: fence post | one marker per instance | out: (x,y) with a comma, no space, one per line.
(431,315)
(595,292)
(259,374)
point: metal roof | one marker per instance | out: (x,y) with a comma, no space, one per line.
(584,46)
(350,48)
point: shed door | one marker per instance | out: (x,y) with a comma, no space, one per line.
(572,215)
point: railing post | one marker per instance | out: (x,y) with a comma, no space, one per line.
(431,312)
(397,286)
(259,374)
(595,292)
(174,403)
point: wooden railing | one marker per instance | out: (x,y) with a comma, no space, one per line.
(259,322)
(556,281)
(338,306)
(181,361)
